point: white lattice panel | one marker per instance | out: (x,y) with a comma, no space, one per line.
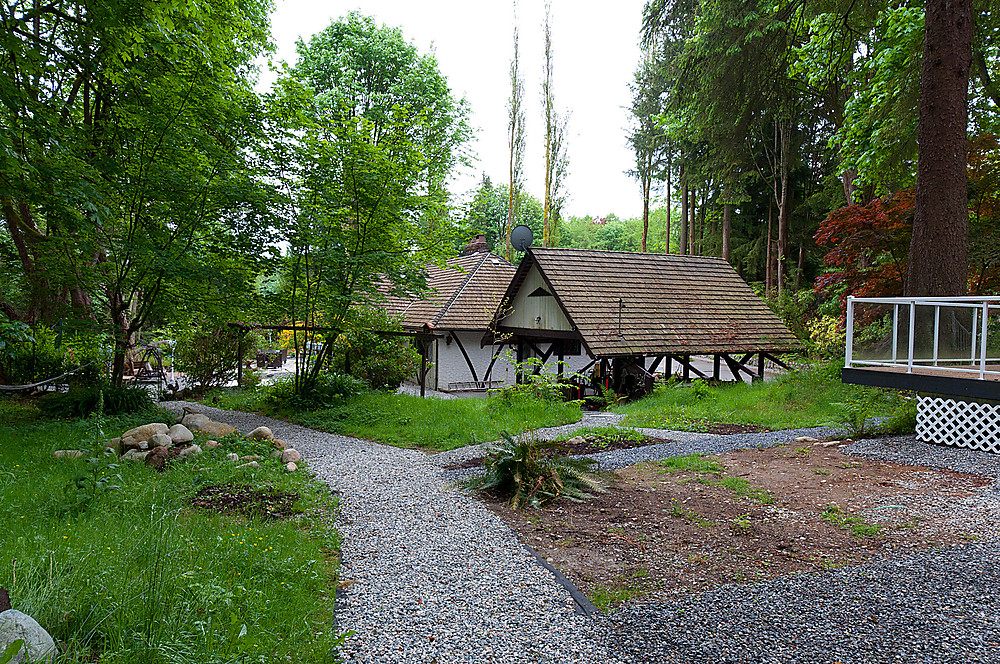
(959,423)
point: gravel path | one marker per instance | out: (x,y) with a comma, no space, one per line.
(936,606)
(432,575)
(435,577)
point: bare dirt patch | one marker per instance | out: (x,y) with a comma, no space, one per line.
(759,514)
(246,501)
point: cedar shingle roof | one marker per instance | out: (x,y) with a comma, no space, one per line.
(463,295)
(670,304)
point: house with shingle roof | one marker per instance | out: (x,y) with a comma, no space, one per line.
(635,314)
(453,315)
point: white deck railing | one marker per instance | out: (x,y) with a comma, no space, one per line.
(974,363)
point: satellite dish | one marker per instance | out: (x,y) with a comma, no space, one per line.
(521,237)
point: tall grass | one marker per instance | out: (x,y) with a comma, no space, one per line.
(141,576)
(437,424)
(801,399)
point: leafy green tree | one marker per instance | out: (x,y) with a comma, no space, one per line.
(487,214)
(128,176)
(515,143)
(372,131)
(648,138)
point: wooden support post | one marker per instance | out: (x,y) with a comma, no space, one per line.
(668,371)
(686,364)
(240,349)
(777,361)
(734,367)
(760,366)
(716,373)
(423,366)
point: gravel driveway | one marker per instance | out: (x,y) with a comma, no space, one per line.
(435,577)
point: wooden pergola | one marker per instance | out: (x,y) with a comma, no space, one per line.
(421,340)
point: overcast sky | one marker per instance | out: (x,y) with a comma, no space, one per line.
(595,52)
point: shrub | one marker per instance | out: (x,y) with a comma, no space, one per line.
(83,401)
(531,472)
(543,386)
(330,388)
(30,354)
(857,413)
(383,361)
(209,356)
(903,421)
(826,338)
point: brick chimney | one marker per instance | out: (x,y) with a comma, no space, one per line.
(477,245)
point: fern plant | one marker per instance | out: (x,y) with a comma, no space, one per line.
(533,472)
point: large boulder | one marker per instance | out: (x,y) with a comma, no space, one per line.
(134,455)
(38,645)
(261,433)
(180,434)
(145,432)
(195,421)
(68,454)
(190,450)
(158,458)
(290,456)
(218,429)
(160,440)
(116,445)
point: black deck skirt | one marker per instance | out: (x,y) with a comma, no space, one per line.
(946,385)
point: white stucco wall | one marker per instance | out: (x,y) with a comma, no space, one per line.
(452,367)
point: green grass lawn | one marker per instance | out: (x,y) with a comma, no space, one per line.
(410,421)
(435,424)
(802,399)
(139,575)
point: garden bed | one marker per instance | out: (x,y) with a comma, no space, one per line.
(606,441)
(684,526)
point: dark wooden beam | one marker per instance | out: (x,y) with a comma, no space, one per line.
(468,360)
(777,361)
(529,333)
(734,367)
(489,369)
(685,362)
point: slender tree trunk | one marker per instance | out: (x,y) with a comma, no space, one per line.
(691,223)
(645,209)
(801,266)
(769,257)
(727,221)
(939,250)
(683,240)
(666,239)
(783,206)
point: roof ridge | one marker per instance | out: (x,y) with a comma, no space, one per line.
(444,310)
(630,253)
